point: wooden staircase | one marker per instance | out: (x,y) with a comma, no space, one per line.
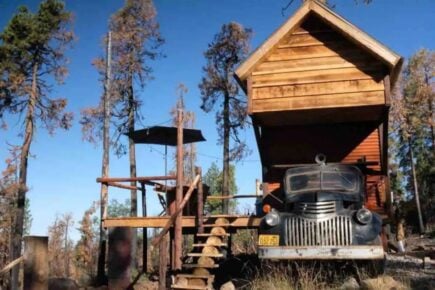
(208,248)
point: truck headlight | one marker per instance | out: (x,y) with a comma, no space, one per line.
(363,216)
(272,218)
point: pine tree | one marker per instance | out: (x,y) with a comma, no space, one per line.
(413,121)
(60,246)
(219,89)
(32,49)
(85,257)
(213,178)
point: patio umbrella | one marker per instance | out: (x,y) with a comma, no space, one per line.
(163,135)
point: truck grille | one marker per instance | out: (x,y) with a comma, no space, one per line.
(336,231)
(316,209)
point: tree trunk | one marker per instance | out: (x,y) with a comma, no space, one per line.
(132,159)
(101,264)
(432,120)
(22,178)
(416,194)
(226,161)
(67,273)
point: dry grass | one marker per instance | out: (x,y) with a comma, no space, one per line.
(292,277)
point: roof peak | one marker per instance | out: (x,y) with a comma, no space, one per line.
(348,30)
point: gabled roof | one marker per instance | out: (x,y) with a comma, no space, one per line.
(354,34)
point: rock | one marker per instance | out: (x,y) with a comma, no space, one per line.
(382,283)
(221,221)
(213,241)
(205,261)
(181,281)
(350,284)
(228,286)
(197,282)
(201,272)
(218,231)
(210,250)
(62,284)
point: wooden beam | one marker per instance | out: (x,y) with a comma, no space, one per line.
(163,262)
(177,211)
(138,179)
(178,232)
(236,221)
(200,202)
(11,265)
(218,197)
(123,186)
(144,230)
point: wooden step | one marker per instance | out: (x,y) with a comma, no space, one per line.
(195,276)
(210,245)
(200,266)
(216,225)
(212,235)
(193,287)
(205,255)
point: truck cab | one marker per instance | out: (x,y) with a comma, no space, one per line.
(323,217)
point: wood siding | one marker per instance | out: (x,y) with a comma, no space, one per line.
(315,67)
(369,149)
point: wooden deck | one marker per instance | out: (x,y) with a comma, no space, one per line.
(235,221)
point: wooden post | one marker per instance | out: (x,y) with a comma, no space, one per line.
(163,259)
(35,263)
(119,260)
(200,201)
(178,235)
(144,230)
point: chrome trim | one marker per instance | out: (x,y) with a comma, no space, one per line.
(335,231)
(316,209)
(321,253)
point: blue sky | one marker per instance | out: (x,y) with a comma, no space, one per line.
(63,171)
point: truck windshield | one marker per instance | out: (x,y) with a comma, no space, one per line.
(329,178)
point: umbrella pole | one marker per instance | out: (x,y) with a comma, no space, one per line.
(166,167)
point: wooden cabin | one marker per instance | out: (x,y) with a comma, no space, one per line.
(319,84)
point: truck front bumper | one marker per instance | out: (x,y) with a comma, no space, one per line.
(322,253)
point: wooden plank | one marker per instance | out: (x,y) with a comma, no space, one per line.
(138,179)
(249,91)
(200,266)
(317,76)
(322,101)
(308,39)
(190,287)
(309,64)
(205,255)
(307,52)
(188,221)
(339,87)
(123,186)
(11,265)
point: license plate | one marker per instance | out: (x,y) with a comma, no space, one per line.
(268,240)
